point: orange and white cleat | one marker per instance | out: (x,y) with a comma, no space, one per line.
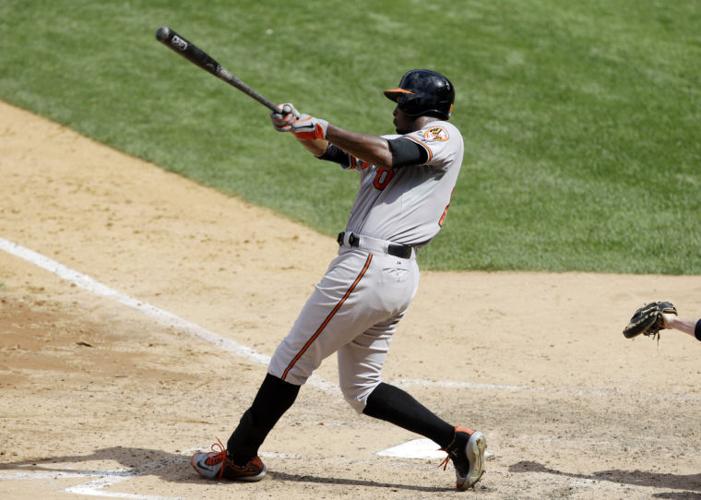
(217,465)
(467,453)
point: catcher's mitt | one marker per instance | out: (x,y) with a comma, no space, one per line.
(648,319)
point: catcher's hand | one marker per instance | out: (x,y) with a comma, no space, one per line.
(648,319)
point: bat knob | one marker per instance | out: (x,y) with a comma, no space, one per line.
(163,33)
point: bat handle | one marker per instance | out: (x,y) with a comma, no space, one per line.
(228,77)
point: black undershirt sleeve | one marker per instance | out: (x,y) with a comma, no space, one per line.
(336,155)
(406,152)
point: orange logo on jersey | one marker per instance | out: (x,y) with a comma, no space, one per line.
(433,134)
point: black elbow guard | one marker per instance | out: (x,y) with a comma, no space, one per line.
(406,152)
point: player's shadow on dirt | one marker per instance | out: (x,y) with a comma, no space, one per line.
(690,482)
(283,476)
(132,461)
(174,468)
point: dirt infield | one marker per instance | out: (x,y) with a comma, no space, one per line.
(99,398)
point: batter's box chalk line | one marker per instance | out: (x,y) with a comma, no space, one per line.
(94,488)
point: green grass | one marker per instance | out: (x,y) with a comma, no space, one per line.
(581,119)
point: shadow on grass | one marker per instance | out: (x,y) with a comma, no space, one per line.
(689,482)
(175,468)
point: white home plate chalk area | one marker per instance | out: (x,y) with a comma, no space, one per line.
(419,448)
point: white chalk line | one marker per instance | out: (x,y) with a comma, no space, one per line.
(63,474)
(551,391)
(420,449)
(160,315)
(93,488)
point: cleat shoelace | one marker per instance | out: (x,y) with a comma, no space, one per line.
(447,459)
(218,455)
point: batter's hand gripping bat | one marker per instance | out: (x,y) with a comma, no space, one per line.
(199,57)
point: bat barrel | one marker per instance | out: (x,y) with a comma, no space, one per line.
(163,33)
(197,56)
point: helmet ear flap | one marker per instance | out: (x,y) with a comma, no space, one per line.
(414,104)
(406,103)
(409,102)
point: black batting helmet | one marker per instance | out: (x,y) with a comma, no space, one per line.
(424,92)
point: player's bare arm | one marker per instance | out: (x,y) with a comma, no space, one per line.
(690,327)
(370,148)
(316,135)
(374,150)
(317,147)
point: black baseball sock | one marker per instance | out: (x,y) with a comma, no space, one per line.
(393,405)
(274,398)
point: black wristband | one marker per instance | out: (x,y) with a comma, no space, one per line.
(697,330)
(336,155)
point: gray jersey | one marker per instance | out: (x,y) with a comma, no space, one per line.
(408,205)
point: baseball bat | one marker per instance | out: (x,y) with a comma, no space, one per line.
(197,56)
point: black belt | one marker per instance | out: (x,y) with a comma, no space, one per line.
(396,249)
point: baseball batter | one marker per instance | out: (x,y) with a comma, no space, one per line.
(406,182)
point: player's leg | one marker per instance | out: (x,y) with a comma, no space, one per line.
(360,364)
(343,305)
(239,460)
(465,447)
(273,399)
(331,317)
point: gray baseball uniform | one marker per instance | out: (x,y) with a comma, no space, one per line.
(355,308)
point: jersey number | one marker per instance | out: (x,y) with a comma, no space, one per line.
(383,176)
